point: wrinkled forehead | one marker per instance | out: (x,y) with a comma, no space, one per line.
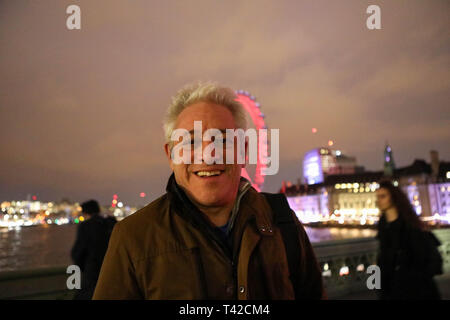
(209,114)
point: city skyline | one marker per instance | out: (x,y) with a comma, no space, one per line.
(145,198)
(82,110)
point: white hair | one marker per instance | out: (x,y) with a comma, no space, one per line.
(203,92)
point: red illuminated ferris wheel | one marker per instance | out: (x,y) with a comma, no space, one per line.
(253,109)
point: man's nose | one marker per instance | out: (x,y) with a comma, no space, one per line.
(210,152)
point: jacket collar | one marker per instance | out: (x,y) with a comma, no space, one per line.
(255,206)
(249,203)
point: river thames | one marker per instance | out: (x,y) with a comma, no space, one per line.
(50,245)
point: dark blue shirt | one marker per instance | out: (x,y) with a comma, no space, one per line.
(225,235)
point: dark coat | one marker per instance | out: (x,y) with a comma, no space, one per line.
(167,250)
(89,250)
(406,261)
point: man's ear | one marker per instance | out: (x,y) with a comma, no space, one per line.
(168,152)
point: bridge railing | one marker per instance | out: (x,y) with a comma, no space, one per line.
(344,268)
(41,283)
(344,262)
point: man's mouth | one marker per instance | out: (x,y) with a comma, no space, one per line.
(212,173)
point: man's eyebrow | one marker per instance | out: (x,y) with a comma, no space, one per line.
(221,130)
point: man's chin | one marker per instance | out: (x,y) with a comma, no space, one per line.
(210,200)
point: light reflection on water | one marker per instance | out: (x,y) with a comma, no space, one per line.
(37,246)
(327,234)
(44,246)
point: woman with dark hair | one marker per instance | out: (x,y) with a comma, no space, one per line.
(408,255)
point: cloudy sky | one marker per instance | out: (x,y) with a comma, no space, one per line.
(81,110)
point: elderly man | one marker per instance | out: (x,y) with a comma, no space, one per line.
(212,235)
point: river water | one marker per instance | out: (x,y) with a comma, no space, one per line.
(50,245)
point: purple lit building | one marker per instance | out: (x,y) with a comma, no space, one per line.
(329,194)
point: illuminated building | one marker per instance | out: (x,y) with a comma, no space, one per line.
(311,207)
(322,162)
(317,163)
(345,164)
(312,167)
(331,195)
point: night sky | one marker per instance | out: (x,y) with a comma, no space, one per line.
(81,111)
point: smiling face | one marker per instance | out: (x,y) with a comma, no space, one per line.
(206,185)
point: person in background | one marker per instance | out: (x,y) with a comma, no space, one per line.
(408,256)
(90,247)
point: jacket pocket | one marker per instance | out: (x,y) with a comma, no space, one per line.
(175,275)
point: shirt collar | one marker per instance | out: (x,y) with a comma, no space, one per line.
(244,186)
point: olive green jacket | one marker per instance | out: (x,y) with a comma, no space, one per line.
(158,253)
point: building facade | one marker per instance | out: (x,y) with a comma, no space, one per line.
(350,198)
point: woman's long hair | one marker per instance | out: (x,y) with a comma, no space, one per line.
(405,210)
